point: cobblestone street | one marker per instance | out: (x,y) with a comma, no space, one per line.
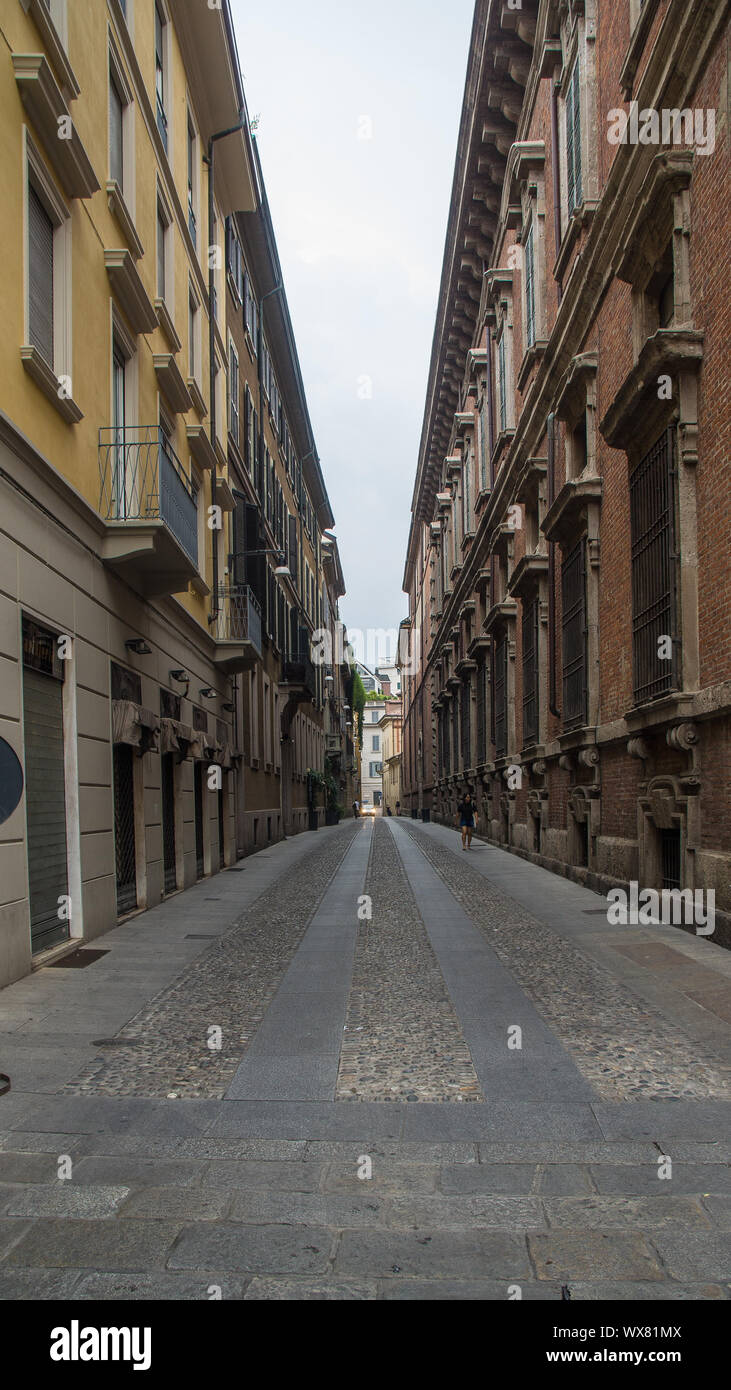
(303,1080)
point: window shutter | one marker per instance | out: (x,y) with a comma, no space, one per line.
(116,164)
(530,307)
(40,277)
(577,135)
(238,557)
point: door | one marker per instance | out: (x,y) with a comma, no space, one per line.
(221,839)
(198,803)
(168,822)
(124,828)
(45,787)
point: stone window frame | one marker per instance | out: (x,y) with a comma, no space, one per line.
(528,209)
(500,293)
(637,416)
(578,37)
(47,374)
(529,578)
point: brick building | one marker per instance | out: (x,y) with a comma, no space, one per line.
(568,640)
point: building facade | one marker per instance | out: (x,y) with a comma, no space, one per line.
(371,756)
(127,643)
(568,578)
(390,725)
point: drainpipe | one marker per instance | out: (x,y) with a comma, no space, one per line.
(556,179)
(552,697)
(208,160)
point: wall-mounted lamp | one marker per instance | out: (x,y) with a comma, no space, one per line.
(138,646)
(229,708)
(283,571)
(179,675)
(207,692)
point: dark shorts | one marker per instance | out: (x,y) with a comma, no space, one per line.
(467,824)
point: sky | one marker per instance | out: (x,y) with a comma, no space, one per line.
(358,110)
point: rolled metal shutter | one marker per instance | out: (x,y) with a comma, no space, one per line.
(45,807)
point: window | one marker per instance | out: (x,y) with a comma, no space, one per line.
(161,230)
(501,382)
(192,183)
(500,694)
(116,133)
(654,577)
(40,277)
(573,140)
(530,290)
(234,259)
(376,743)
(465,723)
(161,73)
(375,769)
(251,316)
(573,619)
(530,671)
(233,386)
(193,364)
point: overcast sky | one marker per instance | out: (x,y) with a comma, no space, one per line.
(358,108)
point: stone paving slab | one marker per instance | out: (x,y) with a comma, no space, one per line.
(61,1199)
(633,1213)
(284,1175)
(310,1290)
(266,1249)
(432,1253)
(118,1245)
(706,1177)
(588,1254)
(696,1256)
(401,1290)
(163,1285)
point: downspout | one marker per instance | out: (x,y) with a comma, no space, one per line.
(552,698)
(208,159)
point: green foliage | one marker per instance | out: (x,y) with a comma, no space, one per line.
(357,702)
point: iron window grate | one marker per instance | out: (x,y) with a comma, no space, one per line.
(654,572)
(573,602)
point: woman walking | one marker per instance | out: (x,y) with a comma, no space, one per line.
(466,811)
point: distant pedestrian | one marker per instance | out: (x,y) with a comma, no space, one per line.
(389,811)
(398,808)
(356,809)
(466,812)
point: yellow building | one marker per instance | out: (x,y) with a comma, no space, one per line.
(117,643)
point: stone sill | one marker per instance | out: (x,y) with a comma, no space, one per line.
(45,378)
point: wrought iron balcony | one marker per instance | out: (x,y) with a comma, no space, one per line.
(150,509)
(236,629)
(298,671)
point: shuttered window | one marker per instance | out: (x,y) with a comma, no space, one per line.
(40,277)
(500,695)
(481,714)
(465,724)
(233,393)
(654,573)
(530,671)
(530,290)
(483,446)
(161,230)
(573,601)
(116,144)
(573,140)
(501,381)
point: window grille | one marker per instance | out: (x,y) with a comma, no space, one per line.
(654,572)
(530,671)
(573,599)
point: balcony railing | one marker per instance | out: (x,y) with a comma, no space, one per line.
(238,617)
(142,479)
(298,669)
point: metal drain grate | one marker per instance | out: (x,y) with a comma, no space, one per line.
(118,1042)
(76,960)
(201,936)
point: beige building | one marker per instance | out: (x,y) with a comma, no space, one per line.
(390,724)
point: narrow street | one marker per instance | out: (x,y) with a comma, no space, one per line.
(366,1064)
